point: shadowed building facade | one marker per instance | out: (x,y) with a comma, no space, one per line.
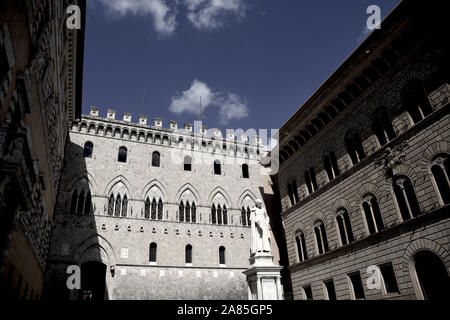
(41,65)
(365,166)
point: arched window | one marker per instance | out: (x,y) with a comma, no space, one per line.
(301,247)
(321,237)
(248,216)
(147,209)
(440,169)
(88,149)
(217,167)
(181,211)
(310,179)
(188,254)
(188,212)
(382,127)
(243,217)
(344,227)
(372,214)
(187,163)
(73,202)
(293,193)
(194,212)
(87,204)
(219,214)
(222,255)
(124,206)
(118,206)
(156,161)
(122,154)
(213,214)
(354,146)
(225,215)
(331,166)
(153,216)
(406,198)
(160,209)
(245,174)
(152,253)
(416,101)
(80,202)
(111,205)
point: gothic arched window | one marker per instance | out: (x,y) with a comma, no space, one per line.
(194,212)
(147,209)
(416,101)
(354,146)
(160,209)
(217,167)
(440,168)
(188,254)
(219,214)
(188,212)
(331,166)
(73,202)
(88,149)
(181,211)
(225,215)
(88,203)
(292,192)
(153,216)
(321,237)
(80,202)
(301,247)
(122,154)
(111,205)
(243,217)
(310,179)
(245,173)
(344,227)
(406,198)
(213,214)
(372,214)
(382,127)
(118,206)
(124,206)
(156,159)
(152,253)
(222,255)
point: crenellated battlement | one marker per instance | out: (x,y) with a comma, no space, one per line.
(190,136)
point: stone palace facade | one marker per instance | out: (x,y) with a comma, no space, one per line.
(153,213)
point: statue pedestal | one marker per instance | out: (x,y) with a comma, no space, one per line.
(263,278)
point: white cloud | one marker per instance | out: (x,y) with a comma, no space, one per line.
(164,17)
(210,14)
(231,106)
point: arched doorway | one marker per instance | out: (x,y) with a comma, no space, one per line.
(432,276)
(93,281)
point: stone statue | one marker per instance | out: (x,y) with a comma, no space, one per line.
(260,241)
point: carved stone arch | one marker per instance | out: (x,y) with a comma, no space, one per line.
(82,125)
(93,126)
(152,184)
(319,215)
(408,77)
(432,151)
(341,203)
(118,179)
(100,127)
(424,244)
(406,170)
(118,130)
(368,188)
(192,189)
(299,226)
(244,195)
(95,241)
(215,192)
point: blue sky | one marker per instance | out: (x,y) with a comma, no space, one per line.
(254,62)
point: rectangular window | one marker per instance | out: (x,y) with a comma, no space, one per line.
(390,282)
(308,293)
(356,286)
(330,292)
